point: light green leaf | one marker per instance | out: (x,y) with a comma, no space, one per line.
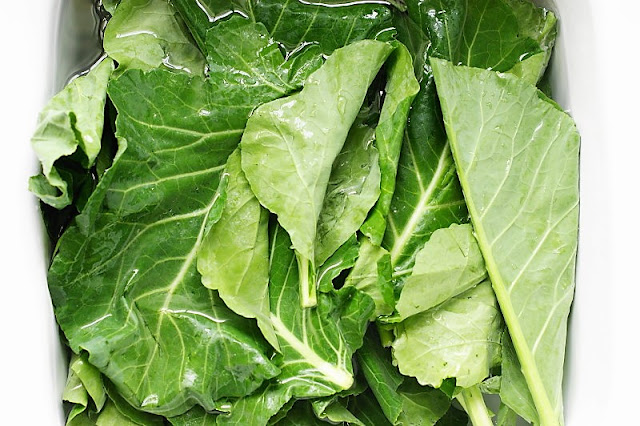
(402,400)
(288,147)
(450,263)
(354,187)
(126,269)
(71,123)
(344,258)
(511,144)
(336,412)
(234,256)
(89,378)
(110,5)
(316,345)
(147,34)
(473,403)
(514,391)
(110,416)
(506,416)
(401,89)
(458,339)
(371,274)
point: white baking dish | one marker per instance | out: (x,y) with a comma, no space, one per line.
(598,368)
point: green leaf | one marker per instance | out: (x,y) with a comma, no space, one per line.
(367,410)
(511,144)
(240,52)
(110,416)
(492,34)
(402,400)
(197,416)
(401,89)
(450,263)
(288,147)
(514,391)
(371,274)
(301,415)
(454,417)
(316,345)
(427,195)
(126,411)
(234,255)
(506,416)
(71,123)
(473,403)
(343,259)
(110,5)
(335,412)
(332,26)
(201,15)
(353,189)
(459,339)
(84,375)
(147,34)
(124,282)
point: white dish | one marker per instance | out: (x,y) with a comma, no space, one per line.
(589,80)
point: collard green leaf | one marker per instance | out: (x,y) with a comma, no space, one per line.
(234,256)
(343,259)
(353,189)
(109,5)
(450,263)
(197,416)
(366,408)
(127,268)
(371,274)
(301,415)
(126,411)
(201,15)
(71,122)
(401,89)
(84,378)
(316,345)
(506,416)
(509,143)
(289,145)
(458,339)
(427,195)
(454,417)
(402,399)
(493,34)
(335,412)
(243,53)
(147,34)
(330,25)
(514,391)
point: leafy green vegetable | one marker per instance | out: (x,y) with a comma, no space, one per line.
(234,255)
(147,34)
(371,274)
(71,123)
(472,401)
(288,147)
(449,264)
(509,143)
(294,23)
(353,189)
(83,381)
(458,339)
(367,410)
(316,345)
(127,268)
(400,91)
(343,259)
(402,399)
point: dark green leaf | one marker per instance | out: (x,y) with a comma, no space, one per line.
(126,269)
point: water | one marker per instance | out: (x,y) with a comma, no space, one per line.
(79,39)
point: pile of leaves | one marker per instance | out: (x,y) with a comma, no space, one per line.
(283,212)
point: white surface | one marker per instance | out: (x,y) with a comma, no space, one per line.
(598,68)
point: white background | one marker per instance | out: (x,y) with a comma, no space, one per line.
(605,371)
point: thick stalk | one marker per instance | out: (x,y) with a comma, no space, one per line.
(306,272)
(472,401)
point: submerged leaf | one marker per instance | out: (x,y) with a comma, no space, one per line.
(71,123)
(147,34)
(510,144)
